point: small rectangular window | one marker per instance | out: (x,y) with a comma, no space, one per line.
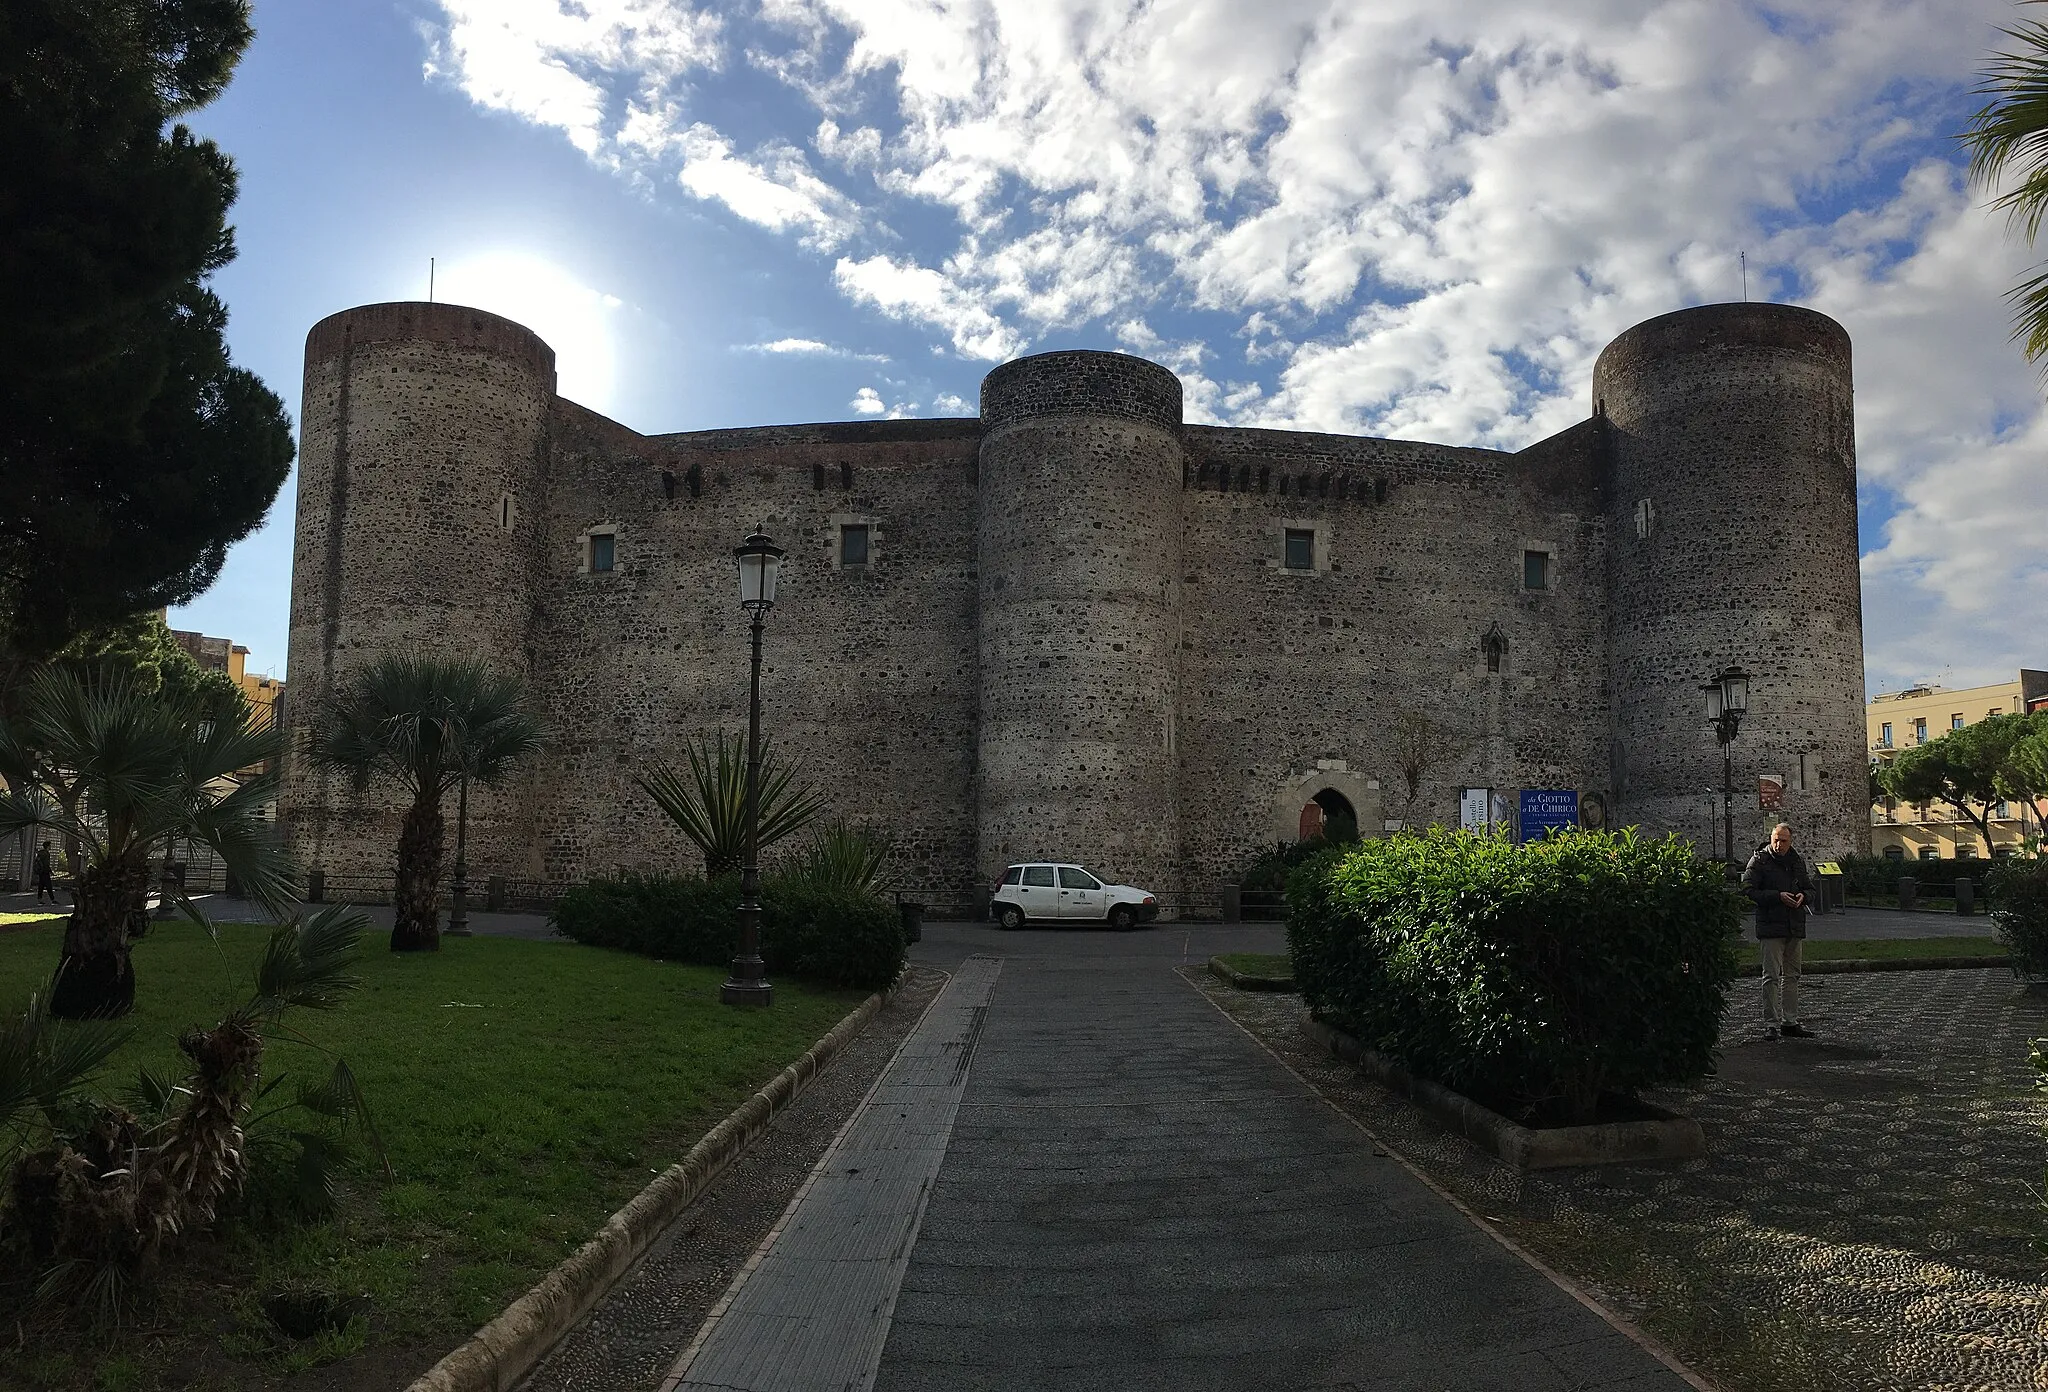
(1920,730)
(853,544)
(1039,876)
(1535,570)
(1884,737)
(600,552)
(1646,518)
(1301,549)
(1955,722)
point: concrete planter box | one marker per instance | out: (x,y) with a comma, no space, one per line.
(1661,1136)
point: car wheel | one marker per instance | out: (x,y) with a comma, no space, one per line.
(1122,919)
(1011,917)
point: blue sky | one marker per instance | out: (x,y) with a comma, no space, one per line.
(1417,218)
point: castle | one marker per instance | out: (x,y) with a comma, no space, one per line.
(1079,628)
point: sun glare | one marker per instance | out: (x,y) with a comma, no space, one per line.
(575,320)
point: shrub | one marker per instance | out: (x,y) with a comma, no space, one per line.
(1533,978)
(1876,875)
(827,933)
(824,933)
(677,918)
(2019,911)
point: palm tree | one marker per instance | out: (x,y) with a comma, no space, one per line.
(115,770)
(2009,133)
(427,723)
(711,807)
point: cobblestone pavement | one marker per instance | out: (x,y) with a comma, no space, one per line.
(1865,1216)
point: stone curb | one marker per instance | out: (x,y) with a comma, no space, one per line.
(1668,1137)
(503,1351)
(1245,981)
(1871,964)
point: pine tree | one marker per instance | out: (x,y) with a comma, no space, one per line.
(134,451)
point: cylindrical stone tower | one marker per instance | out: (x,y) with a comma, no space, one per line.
(1078,531)
(1732,526)
(423,439)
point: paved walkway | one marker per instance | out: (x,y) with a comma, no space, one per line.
(1130,1193)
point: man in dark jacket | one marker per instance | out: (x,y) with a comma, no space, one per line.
(1777,883)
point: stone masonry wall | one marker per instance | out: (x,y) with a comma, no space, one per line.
(1292,681)
(419,422)
(1075,634)
(1734,441)
(868,675)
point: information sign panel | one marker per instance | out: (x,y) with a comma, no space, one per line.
(1546,808)
(1474,808)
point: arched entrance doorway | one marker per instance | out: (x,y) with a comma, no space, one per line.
(1330,816)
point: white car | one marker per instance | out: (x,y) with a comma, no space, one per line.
(1067,893)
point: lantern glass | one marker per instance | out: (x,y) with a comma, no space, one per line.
(1713,692)
(760,560)
(1735,690)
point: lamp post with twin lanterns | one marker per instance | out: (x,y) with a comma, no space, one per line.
(759,562)
(1727,702)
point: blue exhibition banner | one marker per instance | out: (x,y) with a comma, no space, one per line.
(1546,809)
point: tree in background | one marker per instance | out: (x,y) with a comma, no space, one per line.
(133,450)
(1969,769)
(116,771)
(142,646)
(424,723)
(2008,136)
(1422,750)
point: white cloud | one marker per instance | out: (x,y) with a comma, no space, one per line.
(947,404)
(810,348)
(909,291)
(557,62)
(776,190)
(1416,217)
(868,402)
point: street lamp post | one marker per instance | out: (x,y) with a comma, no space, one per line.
(1727,702)
(759,562)
(458,908)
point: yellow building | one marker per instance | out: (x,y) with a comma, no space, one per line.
(220,655)
(1901,719)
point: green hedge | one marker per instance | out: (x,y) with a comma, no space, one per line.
(1533,978)
(2019,900)
(838,936)
(1875,875)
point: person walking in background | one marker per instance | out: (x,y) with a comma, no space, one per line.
(45,882)
(1777,883)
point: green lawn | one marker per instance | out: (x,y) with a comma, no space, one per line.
(1847,949)
(525,1090)
(1258,963)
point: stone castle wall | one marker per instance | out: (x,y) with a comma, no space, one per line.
(1075,636)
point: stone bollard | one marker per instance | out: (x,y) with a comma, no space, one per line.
(316,886)
(1233,903)
(494,894)
(1909,891)
(1966,897)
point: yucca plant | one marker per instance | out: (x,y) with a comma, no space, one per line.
(425,722)
(710,807)
(843,857)
(96,1190)
(115,770)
